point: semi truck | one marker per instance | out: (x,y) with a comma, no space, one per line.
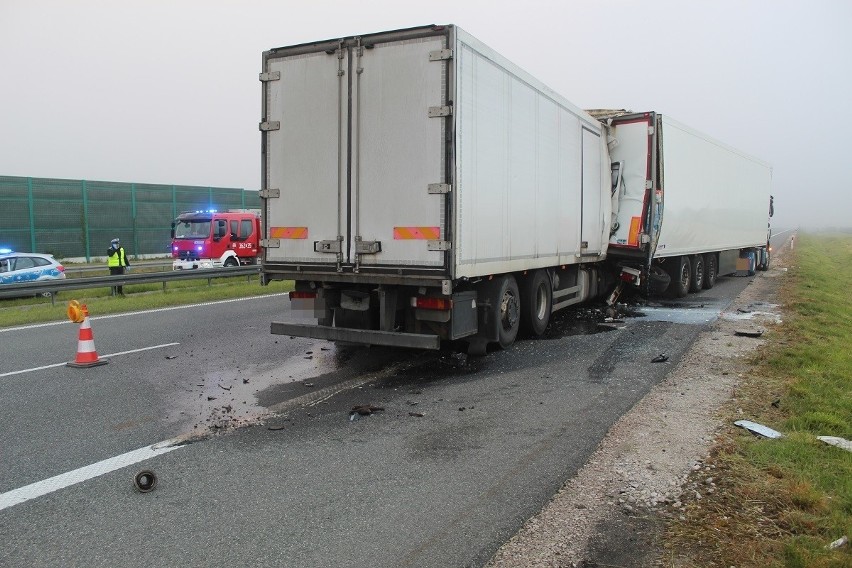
(215,239)
(418,187)
(685,207)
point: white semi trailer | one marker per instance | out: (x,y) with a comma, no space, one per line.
(685,207)
(418,187)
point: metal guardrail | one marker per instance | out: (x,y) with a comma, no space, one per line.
(55,286)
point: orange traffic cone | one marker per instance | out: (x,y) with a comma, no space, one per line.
(86,354)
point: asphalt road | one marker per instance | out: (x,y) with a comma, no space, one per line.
(312,485)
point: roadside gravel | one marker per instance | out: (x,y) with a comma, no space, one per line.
(609,514)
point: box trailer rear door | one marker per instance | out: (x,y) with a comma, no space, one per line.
(305,156)
(355,145)
(399,113)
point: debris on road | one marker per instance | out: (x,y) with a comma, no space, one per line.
(416,414)
(661,358)
(365,409)
(171,356)
(223,387)
(749,332)
(211,398)
(837,441)
(145,481)
(759,429)
(455,360)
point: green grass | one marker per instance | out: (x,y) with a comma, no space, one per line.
(100,301)
(784,500)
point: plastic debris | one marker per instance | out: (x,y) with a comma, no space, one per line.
(748,332)
(661,358)
(837,441)
(842,541)
(171,356)
(759,429)
(416,414)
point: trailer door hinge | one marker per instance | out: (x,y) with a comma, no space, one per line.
(270,76)
(649,184)
(644,238)
(270,125)
(439,111)
(270,243)
(269,193)
(650,131)
(439,245)
(440,188)
(440,54)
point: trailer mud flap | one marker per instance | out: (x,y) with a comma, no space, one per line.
(365,336)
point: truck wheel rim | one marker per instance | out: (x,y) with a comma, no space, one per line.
(509,310)
(541,302)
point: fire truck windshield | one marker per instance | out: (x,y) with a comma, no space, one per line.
(192,229)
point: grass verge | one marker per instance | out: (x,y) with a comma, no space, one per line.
(779,503)
(137,297)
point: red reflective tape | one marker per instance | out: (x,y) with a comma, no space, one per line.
(423,233)
(288,232)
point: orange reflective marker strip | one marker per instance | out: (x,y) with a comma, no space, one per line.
(633,235)
(405,233)
(288,232)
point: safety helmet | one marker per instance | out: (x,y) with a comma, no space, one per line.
(114,241)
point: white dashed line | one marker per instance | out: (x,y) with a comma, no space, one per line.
(63,480)
(155,310)
(102,356)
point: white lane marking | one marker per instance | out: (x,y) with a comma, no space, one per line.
(63,480)
(155,310)
(102,356)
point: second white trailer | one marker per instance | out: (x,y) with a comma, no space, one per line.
(685,206)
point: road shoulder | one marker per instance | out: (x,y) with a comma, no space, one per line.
(611,512)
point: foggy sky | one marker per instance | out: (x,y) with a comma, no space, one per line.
(161,91)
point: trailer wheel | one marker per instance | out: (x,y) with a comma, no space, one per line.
(536,303)
(506,308)
(711,270)
(696,277)
(680,269)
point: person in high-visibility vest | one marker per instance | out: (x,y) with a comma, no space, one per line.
(117,262)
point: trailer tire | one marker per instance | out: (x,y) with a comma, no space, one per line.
(536,303)
(680,269)
(505,308)
(711,270)
(696,276)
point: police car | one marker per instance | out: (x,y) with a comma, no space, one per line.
(22,267)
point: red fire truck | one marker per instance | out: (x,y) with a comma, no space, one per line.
(213,239)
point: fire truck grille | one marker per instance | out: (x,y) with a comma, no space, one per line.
(187,255)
